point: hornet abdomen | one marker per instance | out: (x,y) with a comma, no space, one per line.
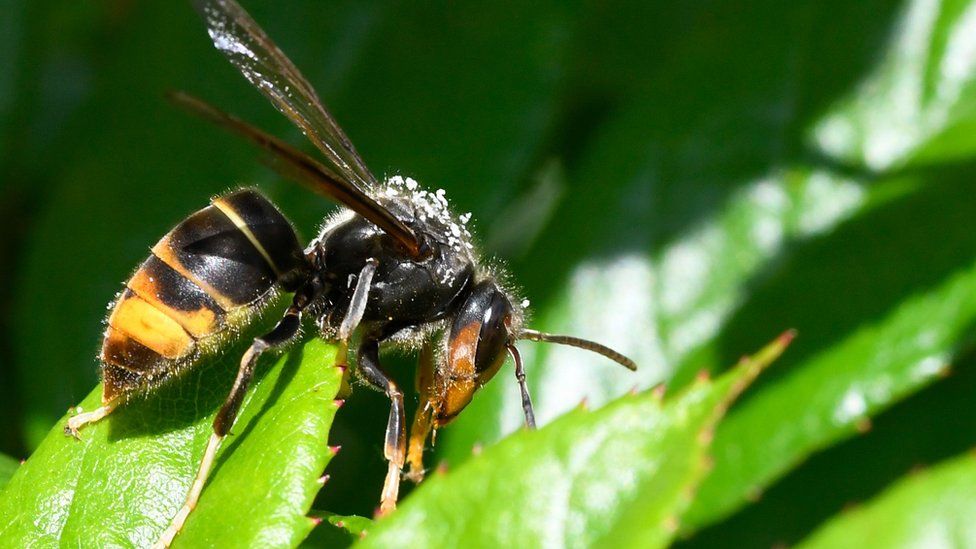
(207,274)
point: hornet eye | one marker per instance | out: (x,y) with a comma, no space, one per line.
(481,326)
(493,336)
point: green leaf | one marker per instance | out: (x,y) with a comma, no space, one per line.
(8,466)
(931,508)
(129,475)
(907,309)
(719,225)
(682,200)
(674,304)
(892,333)
(356,526)
(919,104)
(335,530)
(620,475)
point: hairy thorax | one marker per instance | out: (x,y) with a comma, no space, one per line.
(406,294)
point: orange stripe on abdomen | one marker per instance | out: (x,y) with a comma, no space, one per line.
(138,319)
(177,297)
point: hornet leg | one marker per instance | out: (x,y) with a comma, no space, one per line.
(422,421)
(369,367)
(357,306)
(286,329)
(76,422)
(395,449)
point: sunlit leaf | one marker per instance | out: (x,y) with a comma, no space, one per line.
(335,531)
(715,236)
(618,476)
(932,508)
(8,466)
(681,199)
(881,347)
(128,476)
(919,103)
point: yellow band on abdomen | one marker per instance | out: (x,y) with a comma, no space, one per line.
(151,327)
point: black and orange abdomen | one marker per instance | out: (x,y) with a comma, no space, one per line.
(206,274)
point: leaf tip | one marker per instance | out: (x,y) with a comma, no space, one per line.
(476,449)
(754,494)
(323,479)
(584,404)
(671,524)
(339,402)
(658,392)
(335,449)
(706,436)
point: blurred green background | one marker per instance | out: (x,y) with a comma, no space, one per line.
(681,180)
